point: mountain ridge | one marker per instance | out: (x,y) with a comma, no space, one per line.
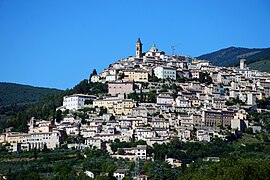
(14,93)
(230,56)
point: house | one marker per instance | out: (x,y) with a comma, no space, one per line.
(115,105)
(133,153)
(135,75)
(95,78)
(212,159)
(182,102)
(203,135)
(164,72)
(36,126)
(165,98)
(76,101)
(213,117)
(95,142)
(141,177)
(120,87)
(173,162)
(143,133)
(119,174)
(27,141)
(239,124)
(90,174)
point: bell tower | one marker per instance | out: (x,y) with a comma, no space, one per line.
(139,49)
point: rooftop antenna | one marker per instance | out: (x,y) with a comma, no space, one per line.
(173,48)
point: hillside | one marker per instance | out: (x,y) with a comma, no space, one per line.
(11,93)
(231,56)
(261,65)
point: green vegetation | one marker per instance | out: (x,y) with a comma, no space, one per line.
(234,101)
(231,167)
(11,94)
(58,164)
(149,97)
(17,116)
(205,78)
(117,144)
(261,65)
(241,158)
(232,55)
(154,79)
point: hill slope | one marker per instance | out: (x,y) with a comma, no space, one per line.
(11,93)
(232,55)
(261,65)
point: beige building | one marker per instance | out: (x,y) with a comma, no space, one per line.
(27,141)
(217,117)
(115,88)
(116,106)
(136,75)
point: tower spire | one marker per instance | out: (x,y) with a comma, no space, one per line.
(139,48)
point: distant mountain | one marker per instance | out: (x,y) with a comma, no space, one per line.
(11,93)
(231,56)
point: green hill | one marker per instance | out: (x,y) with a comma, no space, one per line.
(11,93)
(261,65)
(231,56)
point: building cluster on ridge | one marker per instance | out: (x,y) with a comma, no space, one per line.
(153,97)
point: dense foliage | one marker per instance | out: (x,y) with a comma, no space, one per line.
(17,116)
(11,93)
(243,158)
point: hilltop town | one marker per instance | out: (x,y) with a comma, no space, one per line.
(152,97)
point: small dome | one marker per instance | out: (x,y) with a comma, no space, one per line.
(154,48)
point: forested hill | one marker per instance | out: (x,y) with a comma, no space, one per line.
(231,56)
(11,93)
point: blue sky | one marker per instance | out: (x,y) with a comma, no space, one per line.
(57,43)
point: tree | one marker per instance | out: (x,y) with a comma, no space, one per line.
(94,72)
(102,110)
(82,88)
(151,97)
(205,78)
(154,79)
(120,151)
(121,76)
(58,117)
(112,118)
(134,96)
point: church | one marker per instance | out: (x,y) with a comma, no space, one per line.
(153,53)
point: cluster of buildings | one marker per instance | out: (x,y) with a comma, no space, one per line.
(184,101)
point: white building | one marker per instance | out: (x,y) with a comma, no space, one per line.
(94,78)
(242,64)
(139,151)
(251,99)
(165,98)
(90,174)
(165,72)
(119,174)
(182,102)
(76,101)
(33,140)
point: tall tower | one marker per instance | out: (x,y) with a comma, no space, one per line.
(242,64)
(139,49)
